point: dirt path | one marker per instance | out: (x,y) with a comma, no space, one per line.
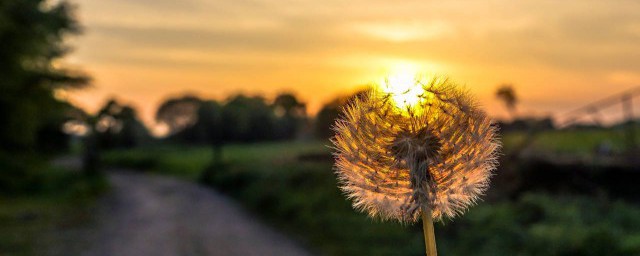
(155,215)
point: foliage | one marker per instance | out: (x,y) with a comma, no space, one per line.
(209,127)
(293,186)
(178,113)
(34,197)
(325,120)
(27,220)
(330,112)
(539,224)
(290,115)
(507,94)
(19,173)
(31,35)
(247,119)
(302,198)
(240,119)
(117,125)
(31,46)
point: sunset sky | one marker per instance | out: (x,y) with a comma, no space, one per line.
(558,54)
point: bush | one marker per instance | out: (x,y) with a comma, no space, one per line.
(21,174)
(539,224)
(303,198)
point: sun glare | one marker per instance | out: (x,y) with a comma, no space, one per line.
(403,87)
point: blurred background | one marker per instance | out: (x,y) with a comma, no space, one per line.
(139,127)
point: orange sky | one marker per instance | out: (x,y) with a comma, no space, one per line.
(558,54)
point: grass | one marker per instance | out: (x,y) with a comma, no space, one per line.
(27,219)
(572,142)
(189,162)
(184,162)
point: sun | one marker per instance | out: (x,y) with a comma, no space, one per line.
(403,87)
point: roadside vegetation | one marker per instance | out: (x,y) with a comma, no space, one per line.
(56,199)
(35,198)
(293,186)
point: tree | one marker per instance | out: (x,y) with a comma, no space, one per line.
(247,119)
(290,113)
(118,126)
(330,112)
(507,94)
(178,113)
(133,132)
(31,41)
(209,127)
(51,137)
(31,36)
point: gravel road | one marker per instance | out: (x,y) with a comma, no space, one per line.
(156,215)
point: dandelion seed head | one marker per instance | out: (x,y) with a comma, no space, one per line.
(393,158)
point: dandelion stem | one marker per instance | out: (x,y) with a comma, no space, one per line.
(429,233)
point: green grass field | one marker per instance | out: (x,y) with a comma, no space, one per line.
(569,142)
(275,181)
(190,162)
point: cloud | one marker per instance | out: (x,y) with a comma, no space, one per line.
(336,43)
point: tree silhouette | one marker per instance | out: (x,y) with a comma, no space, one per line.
(209,127)
(290,114)
(330,113)
(133,132)
(178,113)
(507,94)
(118,126)
(247,119)
(31,40)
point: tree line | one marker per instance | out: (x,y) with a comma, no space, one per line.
(194,120)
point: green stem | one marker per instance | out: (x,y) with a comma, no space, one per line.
(429,233)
